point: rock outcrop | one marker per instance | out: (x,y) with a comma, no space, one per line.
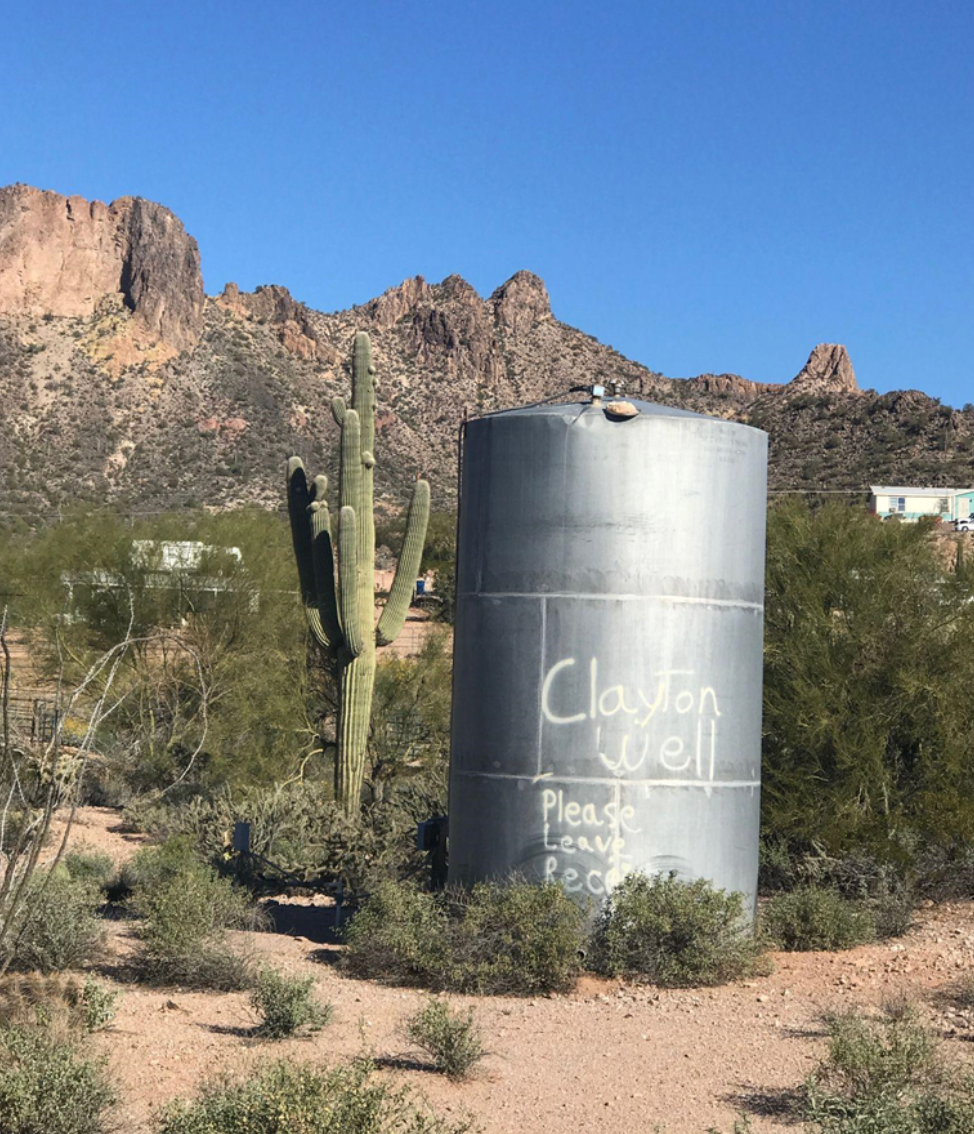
(397,302)
(733,386)
(828,366)
(521,303)
(275,305)
(63,255)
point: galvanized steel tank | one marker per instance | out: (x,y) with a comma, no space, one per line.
(608,649)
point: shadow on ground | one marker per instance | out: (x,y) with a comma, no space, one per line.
(316,923)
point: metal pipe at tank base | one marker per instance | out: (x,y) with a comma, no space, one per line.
(608,647)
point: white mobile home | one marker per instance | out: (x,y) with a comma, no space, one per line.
(915,503)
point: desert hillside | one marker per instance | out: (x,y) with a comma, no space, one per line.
(122,381)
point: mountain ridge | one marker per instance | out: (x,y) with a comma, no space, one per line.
(124,383)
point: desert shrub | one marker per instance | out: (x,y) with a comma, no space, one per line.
(58,926)
(48,1085)
(286,1004)
(400,936)
(451,1039)
(98,1005)
(208,967)
(88,866)
(512,938)
(301,829)
(814,917)
(776,866)
(287,1098)
(885,1076)
(945,872)
(660,929)
(185,909)
(886,890)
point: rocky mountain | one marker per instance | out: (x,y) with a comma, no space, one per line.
(121,381)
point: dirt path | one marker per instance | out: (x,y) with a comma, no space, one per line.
(632,1059)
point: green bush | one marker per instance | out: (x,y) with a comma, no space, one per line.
(814,917)
(97,1005)
(49,1086)
(885,1077)
(514,938)
(89,866)
(676,934)
(296,1099)
(400,936)
(186,908)
(511,938)
(886,890)
(868,668)
(451,1039)
(58,926)
(286,1004)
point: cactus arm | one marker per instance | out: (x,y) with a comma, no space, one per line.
(319,489)
(397,606)
(363,401)
(323,559)
(348,604)
(299,498)
(363,387)
(338,410)
(350,489)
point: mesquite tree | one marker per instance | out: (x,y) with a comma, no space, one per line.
(338,597)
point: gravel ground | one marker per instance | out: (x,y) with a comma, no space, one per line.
(633,1059)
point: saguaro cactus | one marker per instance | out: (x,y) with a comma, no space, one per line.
(341,613)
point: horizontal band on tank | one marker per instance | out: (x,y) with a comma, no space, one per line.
(688,599)
(611,781)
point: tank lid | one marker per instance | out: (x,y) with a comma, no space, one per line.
(577,409)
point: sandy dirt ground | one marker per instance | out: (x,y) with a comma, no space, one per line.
(635,1060)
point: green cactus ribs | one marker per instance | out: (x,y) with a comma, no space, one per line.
(337,590)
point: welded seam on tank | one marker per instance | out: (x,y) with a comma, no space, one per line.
(684,599)
(609,781)
(541,675)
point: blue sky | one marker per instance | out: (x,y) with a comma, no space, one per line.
(706,186)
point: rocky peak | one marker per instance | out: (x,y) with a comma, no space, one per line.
(828,365)
(63,255)
(275,305)
(521,302)
(455,289)
(397,302)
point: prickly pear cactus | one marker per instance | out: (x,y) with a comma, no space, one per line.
(337,592)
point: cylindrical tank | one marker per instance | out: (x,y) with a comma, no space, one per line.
(608,647)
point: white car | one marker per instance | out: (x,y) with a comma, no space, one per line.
(966,525)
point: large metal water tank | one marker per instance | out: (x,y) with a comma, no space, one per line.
(608,649)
